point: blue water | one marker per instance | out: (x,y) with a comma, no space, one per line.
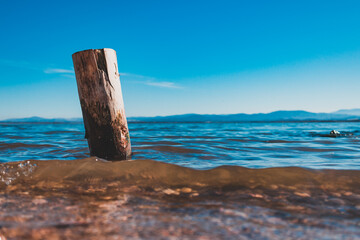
(198,145)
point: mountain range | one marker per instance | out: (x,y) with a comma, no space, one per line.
(40,120)
(340,115)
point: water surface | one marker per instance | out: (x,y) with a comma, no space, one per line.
(200,181)
(199,145)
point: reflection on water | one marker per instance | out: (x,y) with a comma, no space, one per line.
(198,145)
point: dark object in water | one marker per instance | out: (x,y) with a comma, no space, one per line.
(334,132)
(102,103)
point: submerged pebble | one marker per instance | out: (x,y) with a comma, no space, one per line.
(169,191)
(186,190)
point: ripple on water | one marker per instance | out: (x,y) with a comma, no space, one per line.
(200,145)
(10,146)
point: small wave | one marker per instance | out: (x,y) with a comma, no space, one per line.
(91,193)
(15,137)
(62,132)
(159,143)
(7,146)
(308,149)
(149,173)
(279,141)
(240,140)
(173,149)
(325,142)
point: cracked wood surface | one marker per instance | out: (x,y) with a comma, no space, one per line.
(102,104)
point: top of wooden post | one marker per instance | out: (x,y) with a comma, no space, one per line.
(100,49)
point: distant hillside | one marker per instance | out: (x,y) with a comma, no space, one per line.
(341,115)
(353,112)
(258,117)
(42,120)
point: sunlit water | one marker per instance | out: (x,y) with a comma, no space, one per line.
(199,145)
(90,198)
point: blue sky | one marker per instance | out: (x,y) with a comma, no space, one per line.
(184,56)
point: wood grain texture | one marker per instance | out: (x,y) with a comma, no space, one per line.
(102,104)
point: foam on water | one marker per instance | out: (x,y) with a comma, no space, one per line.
(9,173)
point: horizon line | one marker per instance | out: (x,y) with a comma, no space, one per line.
(67,118)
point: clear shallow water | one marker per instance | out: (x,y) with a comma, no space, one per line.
(145,199)
(198,145)
(89,198)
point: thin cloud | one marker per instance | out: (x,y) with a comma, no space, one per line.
(58,70)
(162,84)
(136,76)
(149,81)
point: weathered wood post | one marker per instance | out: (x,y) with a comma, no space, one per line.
(102,104)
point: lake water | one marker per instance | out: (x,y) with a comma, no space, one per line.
(187,181)
(199,145)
